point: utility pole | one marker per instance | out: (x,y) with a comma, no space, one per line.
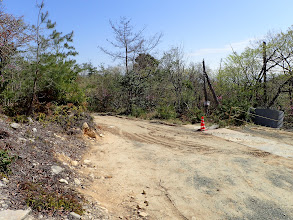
(265,73)
(205,95)
(209,84)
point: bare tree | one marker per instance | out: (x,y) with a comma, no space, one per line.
(129,43)
(173,63)
(13,34)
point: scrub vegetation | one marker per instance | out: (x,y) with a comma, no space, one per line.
(38,69)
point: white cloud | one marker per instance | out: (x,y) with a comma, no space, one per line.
(237,46)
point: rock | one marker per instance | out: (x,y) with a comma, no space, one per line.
(143,214)
(14,214)
(87,161)
(91,133)
(87,131)
(85,126)
(63,181)
(36,164)
(1,184)
(92,176)
(77,181)
(5,180)
(30,120)
(34,130)
(15,125)
(56,169)
(74,163)
(22,139)
(4,206)
(101,135)
(75,215)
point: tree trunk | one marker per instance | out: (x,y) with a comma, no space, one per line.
(280,91)
(126,59)
(291,95)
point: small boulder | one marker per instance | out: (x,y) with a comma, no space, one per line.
(56,169)
(75,215)
(92,134)
(63,181)
(30,120)
(5,180)
(15,125)
(87,162)
(74,163)
(34,130)
(22,139)
(85,127)
(14,214)
(88,131)
(77,181)
(143,214)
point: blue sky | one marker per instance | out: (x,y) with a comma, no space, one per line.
(205,29)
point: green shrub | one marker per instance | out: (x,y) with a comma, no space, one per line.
(40,199)
(138,112)
(231,113)
(5,161)
(166,112)
(20,119)
(194,115)
(67,116)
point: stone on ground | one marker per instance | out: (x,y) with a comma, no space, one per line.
(75,215)
(56,169)
(15,125)
(14,214)
(63,181)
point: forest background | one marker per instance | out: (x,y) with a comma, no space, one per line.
(39,72)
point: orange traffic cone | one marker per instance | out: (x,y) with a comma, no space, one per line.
(202,125)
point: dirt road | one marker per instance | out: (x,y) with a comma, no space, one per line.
(148,170)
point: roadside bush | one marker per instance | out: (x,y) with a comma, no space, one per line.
(40,199)
(138,112)
(231,113)
(166,112)
(67,116)
(193,115)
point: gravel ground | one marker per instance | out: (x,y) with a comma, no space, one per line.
(38,147)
